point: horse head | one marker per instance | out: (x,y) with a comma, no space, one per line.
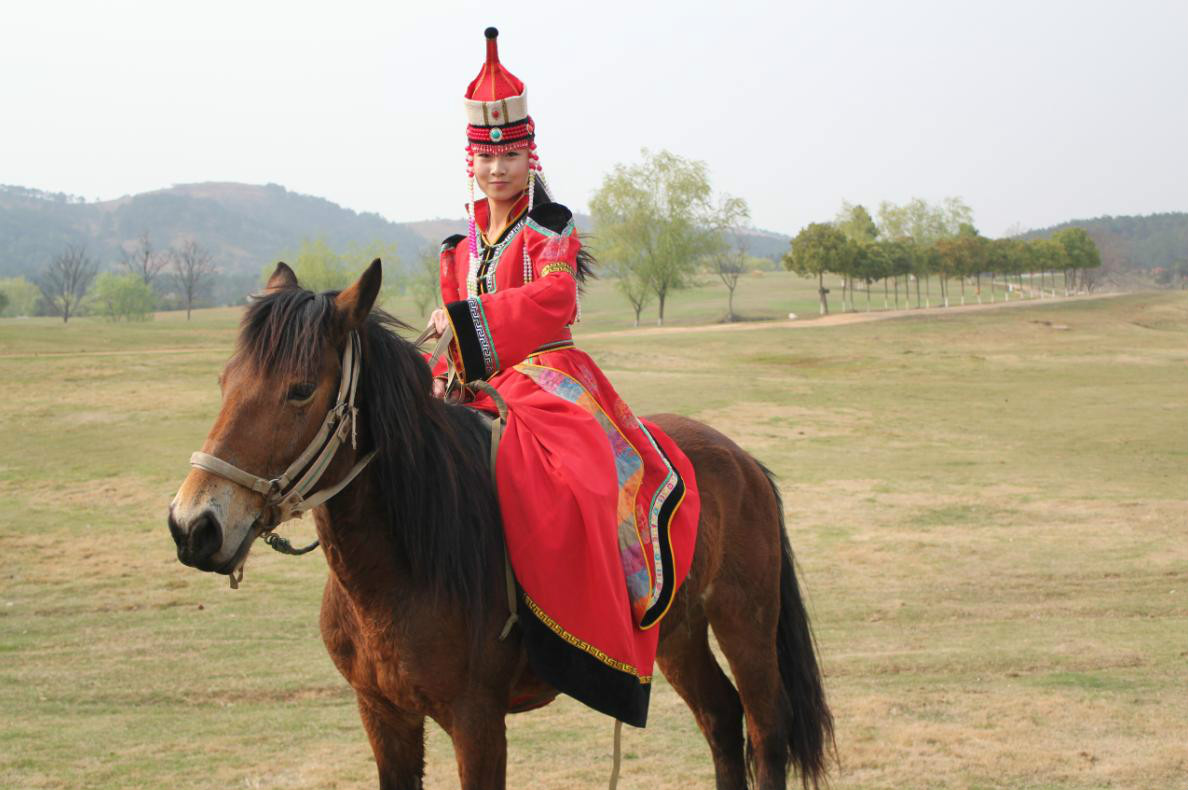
(278,390)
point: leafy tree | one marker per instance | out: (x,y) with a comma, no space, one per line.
(193,270)
(358,256)
(3,302)
(924,263)
(1082,252)
(869,265)
(317,266)
(817,249)
(898,259)
(855,222)
(963,255)
(999,260)
(858,227)
(657,220)
(65,281)
(921,222)
(125,296)
(1047,255)
(20,296)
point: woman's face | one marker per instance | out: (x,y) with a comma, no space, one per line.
(502,176)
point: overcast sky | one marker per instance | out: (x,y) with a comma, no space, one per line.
(1033,112)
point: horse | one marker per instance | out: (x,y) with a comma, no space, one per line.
(414,602)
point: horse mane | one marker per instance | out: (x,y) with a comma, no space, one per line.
(439,502)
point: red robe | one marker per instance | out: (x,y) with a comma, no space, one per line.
(599,509)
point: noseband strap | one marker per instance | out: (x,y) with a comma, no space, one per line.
(285,495)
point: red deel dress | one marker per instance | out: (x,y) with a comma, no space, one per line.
(599,509)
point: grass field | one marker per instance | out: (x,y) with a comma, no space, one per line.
(989,511)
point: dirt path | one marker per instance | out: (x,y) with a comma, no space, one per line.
(837,319)
(843,319)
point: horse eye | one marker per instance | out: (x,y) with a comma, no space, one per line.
(301,392)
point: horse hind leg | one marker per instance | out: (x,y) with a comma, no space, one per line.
(686,661)
(762,627)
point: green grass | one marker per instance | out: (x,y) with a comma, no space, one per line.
(988,513)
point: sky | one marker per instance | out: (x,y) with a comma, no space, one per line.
(1032,112)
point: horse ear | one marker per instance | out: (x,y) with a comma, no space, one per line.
(282,277)
(355,303)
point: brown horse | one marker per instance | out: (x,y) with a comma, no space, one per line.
(413,605)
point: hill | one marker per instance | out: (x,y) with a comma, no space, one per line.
(1133,242)
(244,225)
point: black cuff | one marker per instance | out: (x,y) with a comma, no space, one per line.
(466,316)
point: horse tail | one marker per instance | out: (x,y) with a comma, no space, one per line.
(808,721)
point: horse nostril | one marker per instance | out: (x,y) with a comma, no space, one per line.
(200,541)
(205,537)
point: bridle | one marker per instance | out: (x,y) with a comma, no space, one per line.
(285,496)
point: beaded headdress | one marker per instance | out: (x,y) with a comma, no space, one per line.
(497,121)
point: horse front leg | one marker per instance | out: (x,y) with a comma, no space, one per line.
(479,734)
(398,741)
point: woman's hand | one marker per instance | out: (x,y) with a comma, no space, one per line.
(439,388)
(438,321)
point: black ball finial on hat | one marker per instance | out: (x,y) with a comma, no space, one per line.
(491,33)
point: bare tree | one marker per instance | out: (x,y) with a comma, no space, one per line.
(65,281)
(729,262)
(192,267)
(143,261)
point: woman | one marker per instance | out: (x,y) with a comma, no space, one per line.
(599,510)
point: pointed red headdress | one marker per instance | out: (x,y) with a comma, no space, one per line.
(497,106)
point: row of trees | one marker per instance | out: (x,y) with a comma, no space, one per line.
(72,282)
(918,241)
(658,228)
(182,277)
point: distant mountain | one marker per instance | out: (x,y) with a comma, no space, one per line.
(1137,242)
(245,226)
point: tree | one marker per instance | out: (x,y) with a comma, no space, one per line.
(317,266)
(998,261)
(142,260)
(361,255)
(658,220)
(729,260)
(20,296)
(426,280)
(1082,252)
(870,264)
(1047,255)
(817,249)
(125,296)
(924,263)
(855,222)
(192,268)
(631,280)
(922,223)
(897,257)
(65,281)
